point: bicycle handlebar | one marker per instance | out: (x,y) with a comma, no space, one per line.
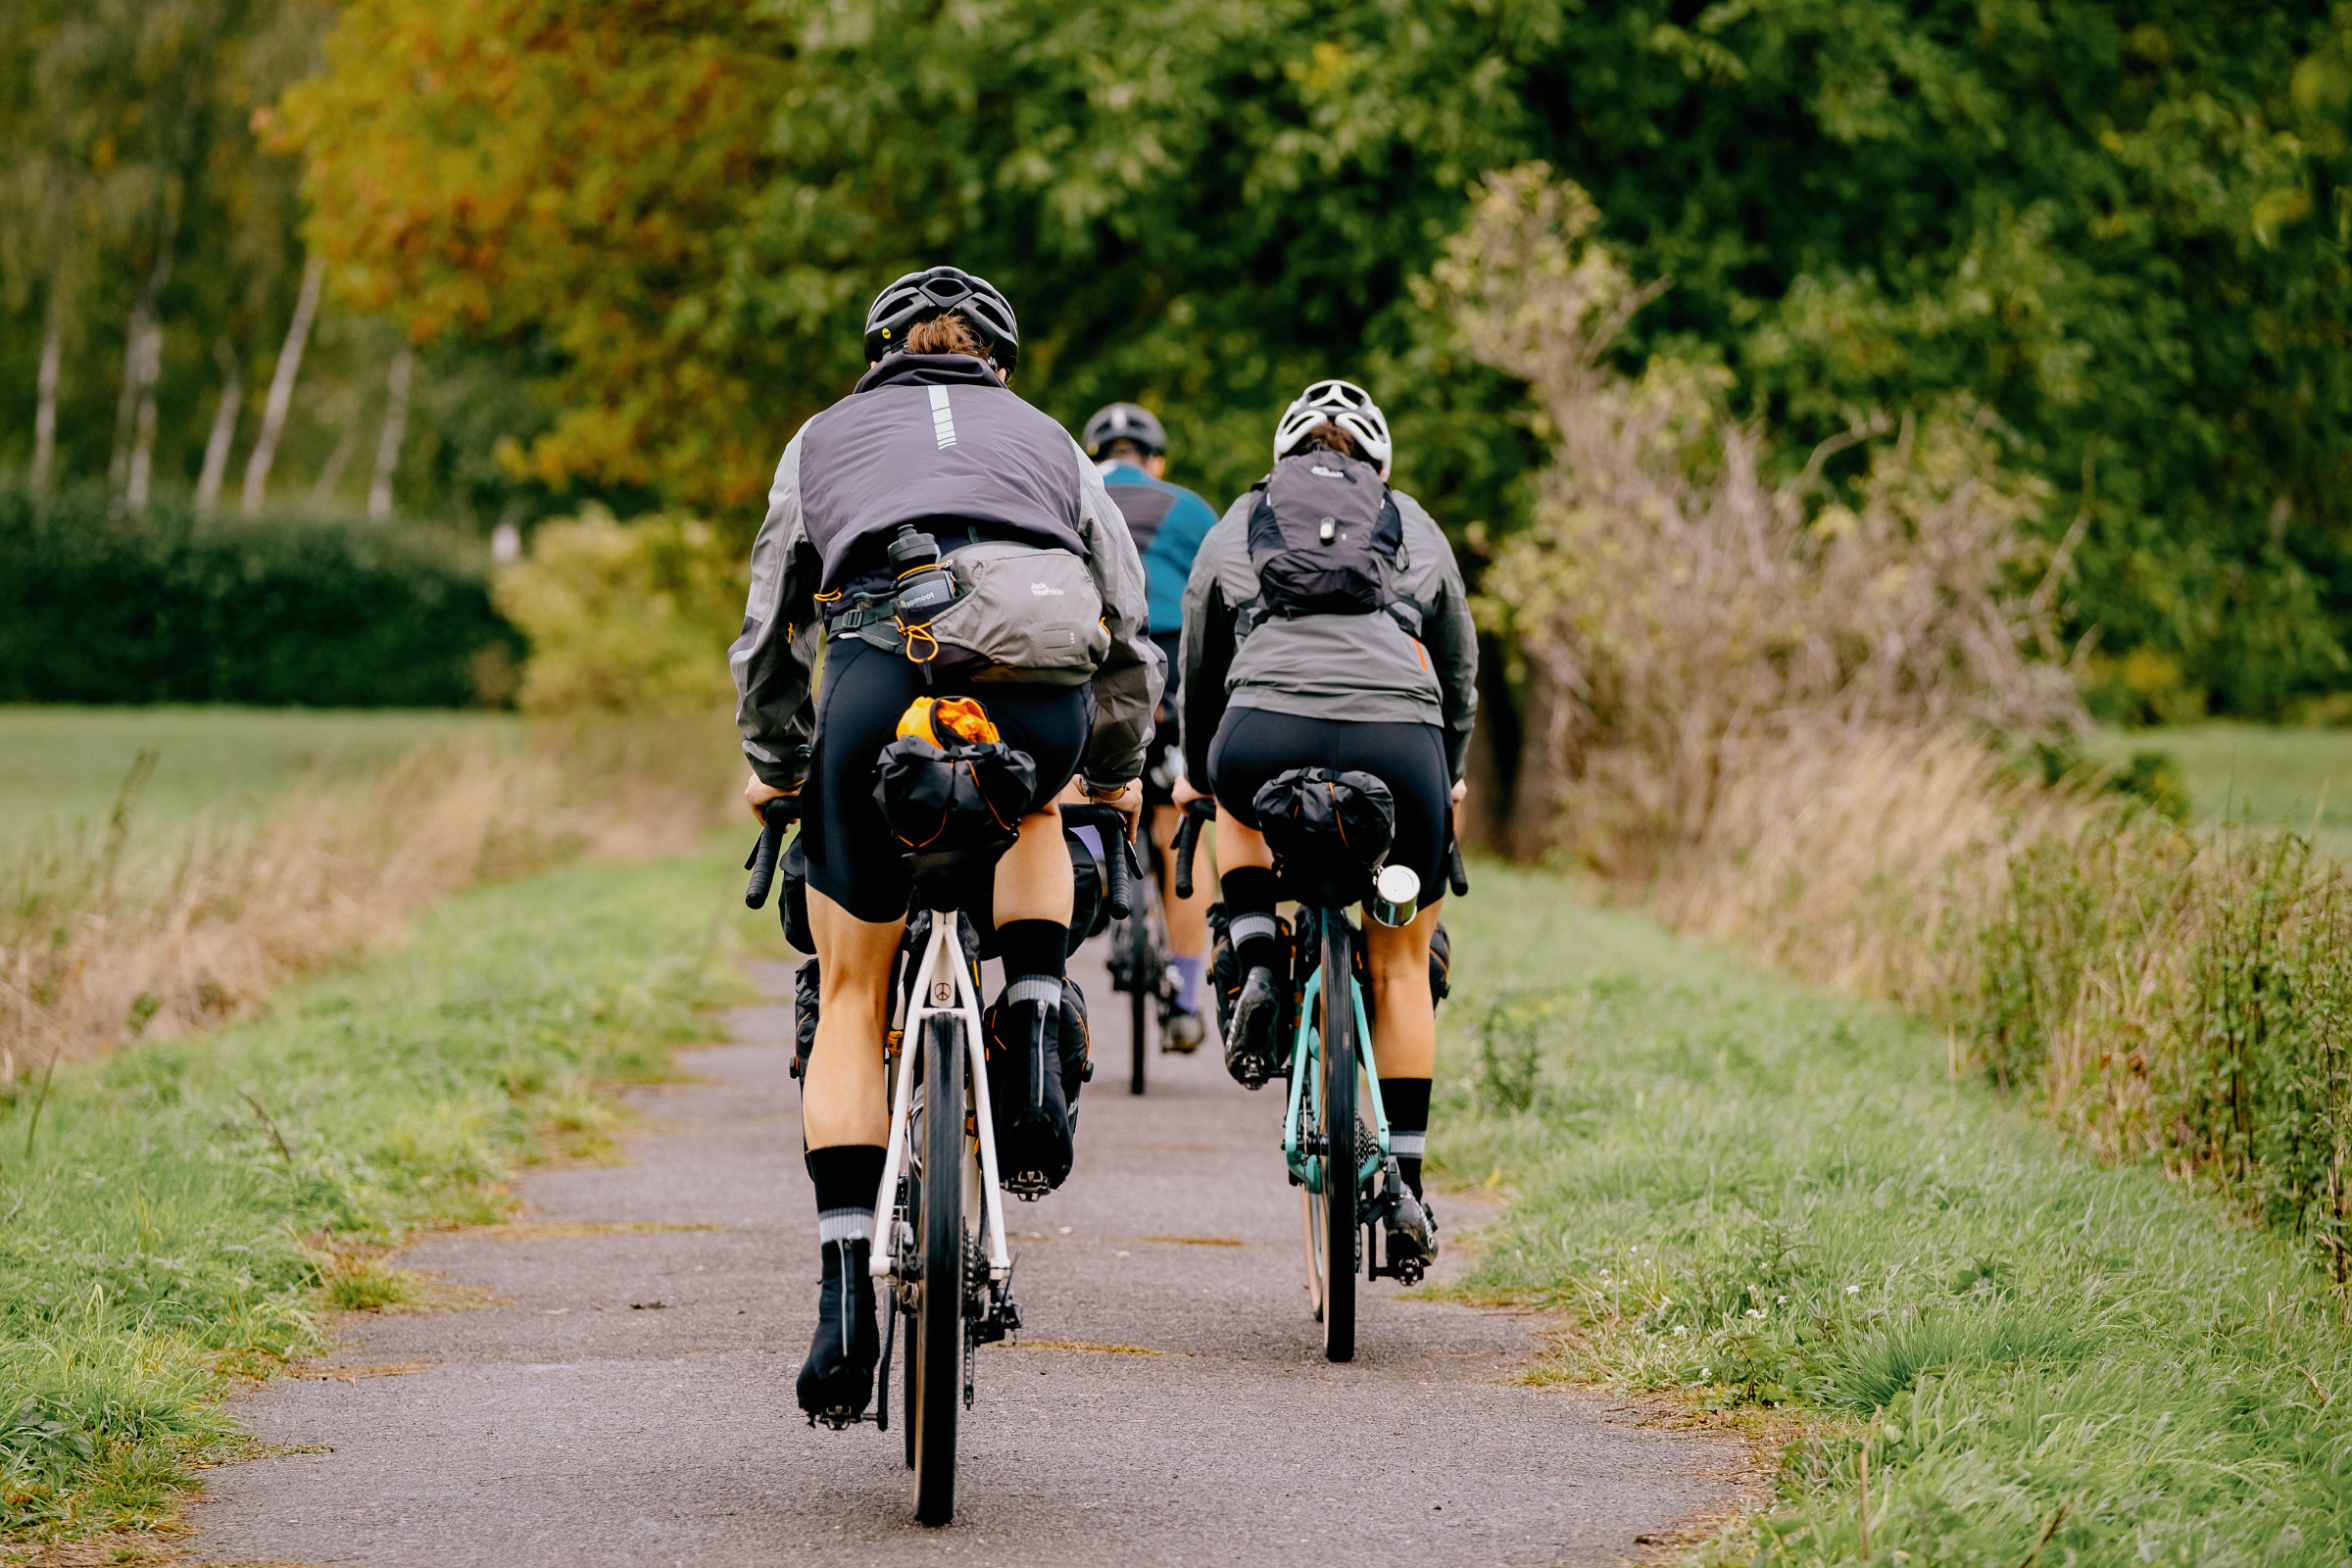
(1457,875)
(762,861)
(1111,823)
(1188,839)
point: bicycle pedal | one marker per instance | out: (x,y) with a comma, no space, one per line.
(839,1418)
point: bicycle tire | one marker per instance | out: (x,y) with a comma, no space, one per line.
(1339,1145)
(1138,1025)
(914,1205)
(937,1376)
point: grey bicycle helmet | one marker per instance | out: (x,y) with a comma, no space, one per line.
(934,291)
(1340,403)
(1124,421)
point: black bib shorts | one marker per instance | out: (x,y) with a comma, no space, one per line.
(852,857)
(1253,744)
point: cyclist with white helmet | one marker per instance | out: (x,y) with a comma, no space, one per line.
(1279,672)
(1130,447)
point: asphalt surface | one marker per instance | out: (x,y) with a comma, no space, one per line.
(630,1400)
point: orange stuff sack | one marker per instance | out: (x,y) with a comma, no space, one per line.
(944,720)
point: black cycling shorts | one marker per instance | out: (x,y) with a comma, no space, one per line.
(1253,744)
(853,859)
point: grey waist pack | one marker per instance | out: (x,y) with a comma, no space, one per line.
(1021,613)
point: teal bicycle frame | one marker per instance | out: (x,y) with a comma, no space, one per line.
(1307,1080)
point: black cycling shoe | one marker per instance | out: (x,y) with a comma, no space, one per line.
(1251,1049)
(1029,1093)
(837,1380)
(1412,1236)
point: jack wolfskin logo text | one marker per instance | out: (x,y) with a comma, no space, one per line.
(943,423)
(1042,589)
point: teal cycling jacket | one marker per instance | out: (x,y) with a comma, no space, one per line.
(1169,523)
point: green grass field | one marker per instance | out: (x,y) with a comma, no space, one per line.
(2298,778)
(1754,1193)
(62,766)
(180,1211)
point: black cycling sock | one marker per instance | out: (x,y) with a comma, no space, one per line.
(1033,947)
(848,1177)
(1248,893)
(1406,1101)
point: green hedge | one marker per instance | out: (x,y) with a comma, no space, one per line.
(283,608)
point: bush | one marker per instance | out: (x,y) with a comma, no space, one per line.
(629,617)
(283,608)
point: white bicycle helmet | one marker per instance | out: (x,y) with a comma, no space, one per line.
(1340,403)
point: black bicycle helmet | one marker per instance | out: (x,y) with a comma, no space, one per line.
(1124,421)
(934,291)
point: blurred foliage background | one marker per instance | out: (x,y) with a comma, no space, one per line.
(562,252)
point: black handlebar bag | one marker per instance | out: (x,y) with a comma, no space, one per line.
(1328,832)
(955,811)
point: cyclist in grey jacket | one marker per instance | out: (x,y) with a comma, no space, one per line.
(932,437)
(1265,693)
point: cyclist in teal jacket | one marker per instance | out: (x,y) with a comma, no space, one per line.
(1130,447)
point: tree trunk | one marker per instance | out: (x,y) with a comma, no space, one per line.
(323,490)
(225,427)
(142,450)
(282,385)
(396,426)
(1493,771)
(1541,785)
(142,366)
(45,417)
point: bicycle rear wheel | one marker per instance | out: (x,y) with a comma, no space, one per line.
(1338,1199)
(935,1373)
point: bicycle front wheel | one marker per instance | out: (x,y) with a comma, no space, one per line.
(1338,1199)
(935,1381)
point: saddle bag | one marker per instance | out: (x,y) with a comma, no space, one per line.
(1328,832)
(953,804)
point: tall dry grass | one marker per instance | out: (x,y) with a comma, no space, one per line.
(1688,622)
(99,942)
(1783,712)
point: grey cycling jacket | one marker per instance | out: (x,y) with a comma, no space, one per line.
(931,436)
(1362,668)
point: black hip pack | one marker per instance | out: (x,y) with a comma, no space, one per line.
(1328,832)
(1325,538)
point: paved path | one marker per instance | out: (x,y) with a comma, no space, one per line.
(581,1423)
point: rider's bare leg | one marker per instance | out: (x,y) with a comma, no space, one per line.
(1404,1020)
(843,1097)
(1032,880)
(1238,846)
(1188,918)
(1405,1031)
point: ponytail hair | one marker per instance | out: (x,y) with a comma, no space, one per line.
(1331,438)
(947,333)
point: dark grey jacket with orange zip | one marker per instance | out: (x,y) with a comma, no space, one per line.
(928,437)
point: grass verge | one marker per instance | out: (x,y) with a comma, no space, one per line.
(1759,1195)
(172,1216)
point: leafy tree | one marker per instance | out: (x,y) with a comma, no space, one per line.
(2117,223)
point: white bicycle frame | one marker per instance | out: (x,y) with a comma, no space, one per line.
(942,984)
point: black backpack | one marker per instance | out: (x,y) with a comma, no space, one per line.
(1325,539)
